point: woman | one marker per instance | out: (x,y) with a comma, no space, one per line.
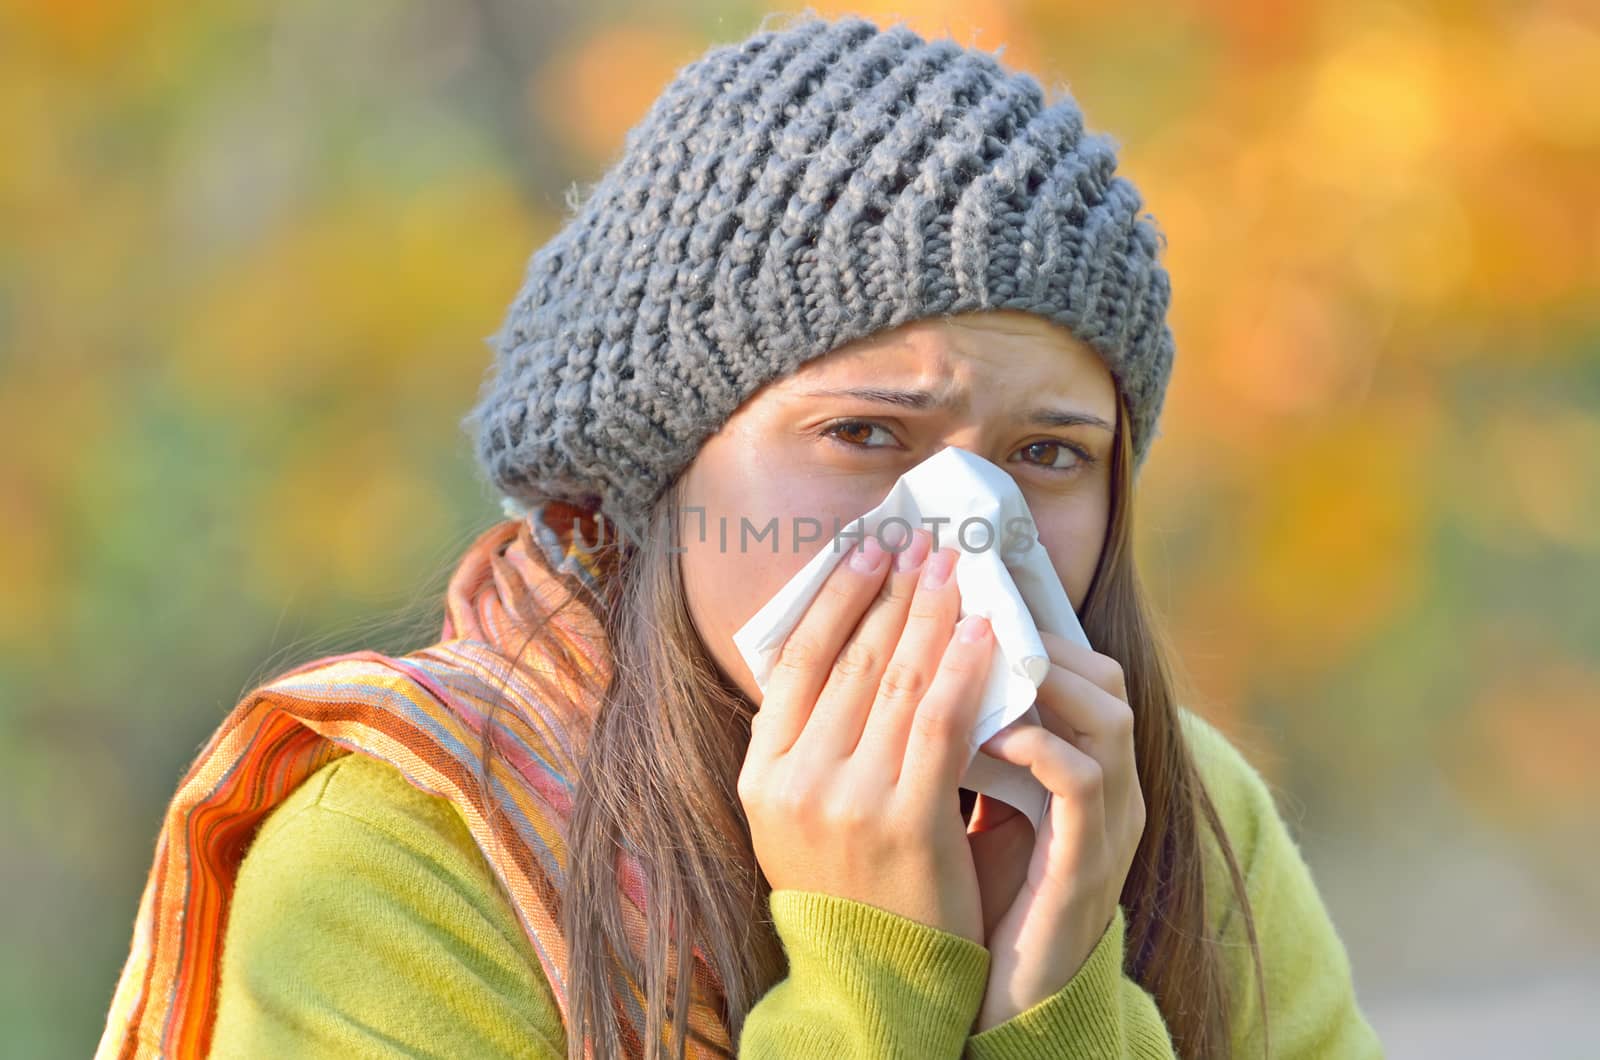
(575,826)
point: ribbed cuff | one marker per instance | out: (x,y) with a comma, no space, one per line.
(916,988)
(1082,1019)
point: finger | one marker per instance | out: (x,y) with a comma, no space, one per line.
(937,747)
(930,623)
(1076,709)
(1098,667)
(1085,794)
(1065,771)
(809,650)
(836,721)
(1095,723)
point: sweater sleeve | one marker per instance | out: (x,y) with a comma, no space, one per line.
(864,982)
(1103,1012)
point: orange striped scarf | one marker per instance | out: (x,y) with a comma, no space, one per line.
(424,713)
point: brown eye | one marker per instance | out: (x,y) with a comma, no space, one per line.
(1050,453)
(858,433)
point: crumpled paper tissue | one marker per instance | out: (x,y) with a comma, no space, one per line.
(1004,574)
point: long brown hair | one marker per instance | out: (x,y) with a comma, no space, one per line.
(659,773)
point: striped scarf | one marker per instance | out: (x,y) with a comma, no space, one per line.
(423,713)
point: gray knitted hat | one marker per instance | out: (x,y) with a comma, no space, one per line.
(784,195)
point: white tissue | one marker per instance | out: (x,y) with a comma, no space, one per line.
(1003,574)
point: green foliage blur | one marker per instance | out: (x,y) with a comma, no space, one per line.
(249,254)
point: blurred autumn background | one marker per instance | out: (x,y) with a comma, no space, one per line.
(249,253)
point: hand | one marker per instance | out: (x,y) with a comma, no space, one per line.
(1061,904)
(850,783)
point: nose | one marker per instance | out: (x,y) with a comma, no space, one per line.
(968,436)
(971,438)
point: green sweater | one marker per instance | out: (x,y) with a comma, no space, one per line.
(366,924)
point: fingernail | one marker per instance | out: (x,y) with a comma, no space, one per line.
(916,550)
(937,571)
(974,627)
(868,557)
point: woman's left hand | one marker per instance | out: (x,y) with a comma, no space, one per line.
(1066,896)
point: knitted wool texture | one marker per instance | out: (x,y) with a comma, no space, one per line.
(808,186)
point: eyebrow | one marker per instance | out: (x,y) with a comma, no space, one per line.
(925,400)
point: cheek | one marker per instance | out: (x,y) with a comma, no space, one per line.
(724,589)
(729,575)
(1073,537)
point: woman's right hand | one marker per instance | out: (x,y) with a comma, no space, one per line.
(851,780)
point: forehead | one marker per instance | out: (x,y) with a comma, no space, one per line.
(1005,349)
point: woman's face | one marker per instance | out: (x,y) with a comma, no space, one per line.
(828,441)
